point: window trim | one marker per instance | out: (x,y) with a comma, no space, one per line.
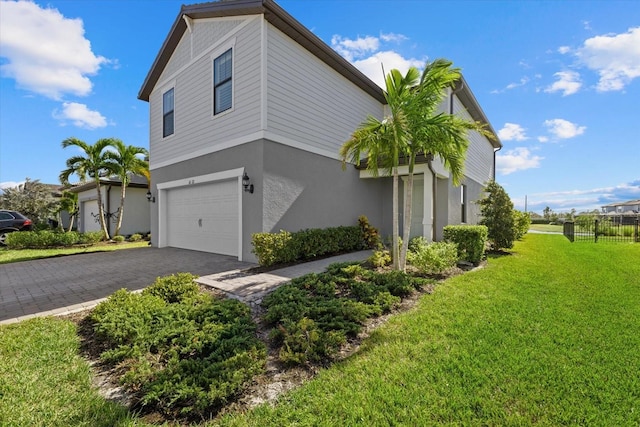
(172,112)
(223,49)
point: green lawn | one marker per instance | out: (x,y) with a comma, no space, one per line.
(8,255)
(548,335)
(546,227)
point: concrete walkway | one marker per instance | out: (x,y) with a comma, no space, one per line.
(59,286)
(251,288)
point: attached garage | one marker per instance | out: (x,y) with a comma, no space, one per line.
(202,216)
(90,221)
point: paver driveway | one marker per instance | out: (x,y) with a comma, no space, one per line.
(37,286)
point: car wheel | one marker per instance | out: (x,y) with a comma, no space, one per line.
(3,237)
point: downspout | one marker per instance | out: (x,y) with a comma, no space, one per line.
(494,162)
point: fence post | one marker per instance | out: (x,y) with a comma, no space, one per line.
(595,229)
(637,231)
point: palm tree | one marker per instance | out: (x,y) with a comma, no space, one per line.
(69,203)
(94,163)
(413,127)
(434,134)
(128,161)
(383,141)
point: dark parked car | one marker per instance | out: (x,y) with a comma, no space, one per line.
(11,221)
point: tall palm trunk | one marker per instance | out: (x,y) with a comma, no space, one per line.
(408,208)
(103,221)
(394,240)
(123,189)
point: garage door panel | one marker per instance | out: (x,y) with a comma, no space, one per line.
(90,220)
(204,217)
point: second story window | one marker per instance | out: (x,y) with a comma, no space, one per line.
(167,113)
(222,82)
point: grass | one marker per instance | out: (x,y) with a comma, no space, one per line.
(546,227)
(43,381)
(548,336)
(8,255)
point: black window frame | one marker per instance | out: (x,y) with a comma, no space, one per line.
(227,80)
(168,115)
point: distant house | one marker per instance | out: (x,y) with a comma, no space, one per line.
(136,208)
(248,111)
(630,207)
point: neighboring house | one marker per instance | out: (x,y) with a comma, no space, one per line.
(136,207)
(240,88)
(630,207)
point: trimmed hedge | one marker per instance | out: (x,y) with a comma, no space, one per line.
(50,239)
(285,247)
(471,240)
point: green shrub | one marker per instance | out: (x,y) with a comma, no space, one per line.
(496,208)
(135,237)
(184,358)
(470,240)
(432,258)
(91,237)
(285,247)
(521,223)
(370,234)
(380,258)
(312,315)
(118,239)
(177,287)
(41,239)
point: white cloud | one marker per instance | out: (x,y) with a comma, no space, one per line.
(543,139)
(46,53)
(616,58)
(518,159)
(568,83)
(351,49)
(392,37)
(10,184)
(564,129)
(80,116)
(372,66)
(564,49)
(369,56)
(512,132)
(584,200)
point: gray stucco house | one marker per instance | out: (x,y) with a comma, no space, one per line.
(241,89)
(136,209)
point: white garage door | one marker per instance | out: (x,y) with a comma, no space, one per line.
(204,217)
(90,221)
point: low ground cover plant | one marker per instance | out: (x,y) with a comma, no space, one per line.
(182,352)
(312,316)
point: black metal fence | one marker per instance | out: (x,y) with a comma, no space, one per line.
(618,228)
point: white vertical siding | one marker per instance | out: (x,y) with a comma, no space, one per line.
(308,102)
(479,162)
(196,129)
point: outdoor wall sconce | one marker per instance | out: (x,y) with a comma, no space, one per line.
(150,197)
(246,183)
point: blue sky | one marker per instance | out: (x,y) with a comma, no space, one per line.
(559,80)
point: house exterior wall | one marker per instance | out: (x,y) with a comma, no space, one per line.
(479,161)
(290,189)
(136,209)
(309,104)
(197,131)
